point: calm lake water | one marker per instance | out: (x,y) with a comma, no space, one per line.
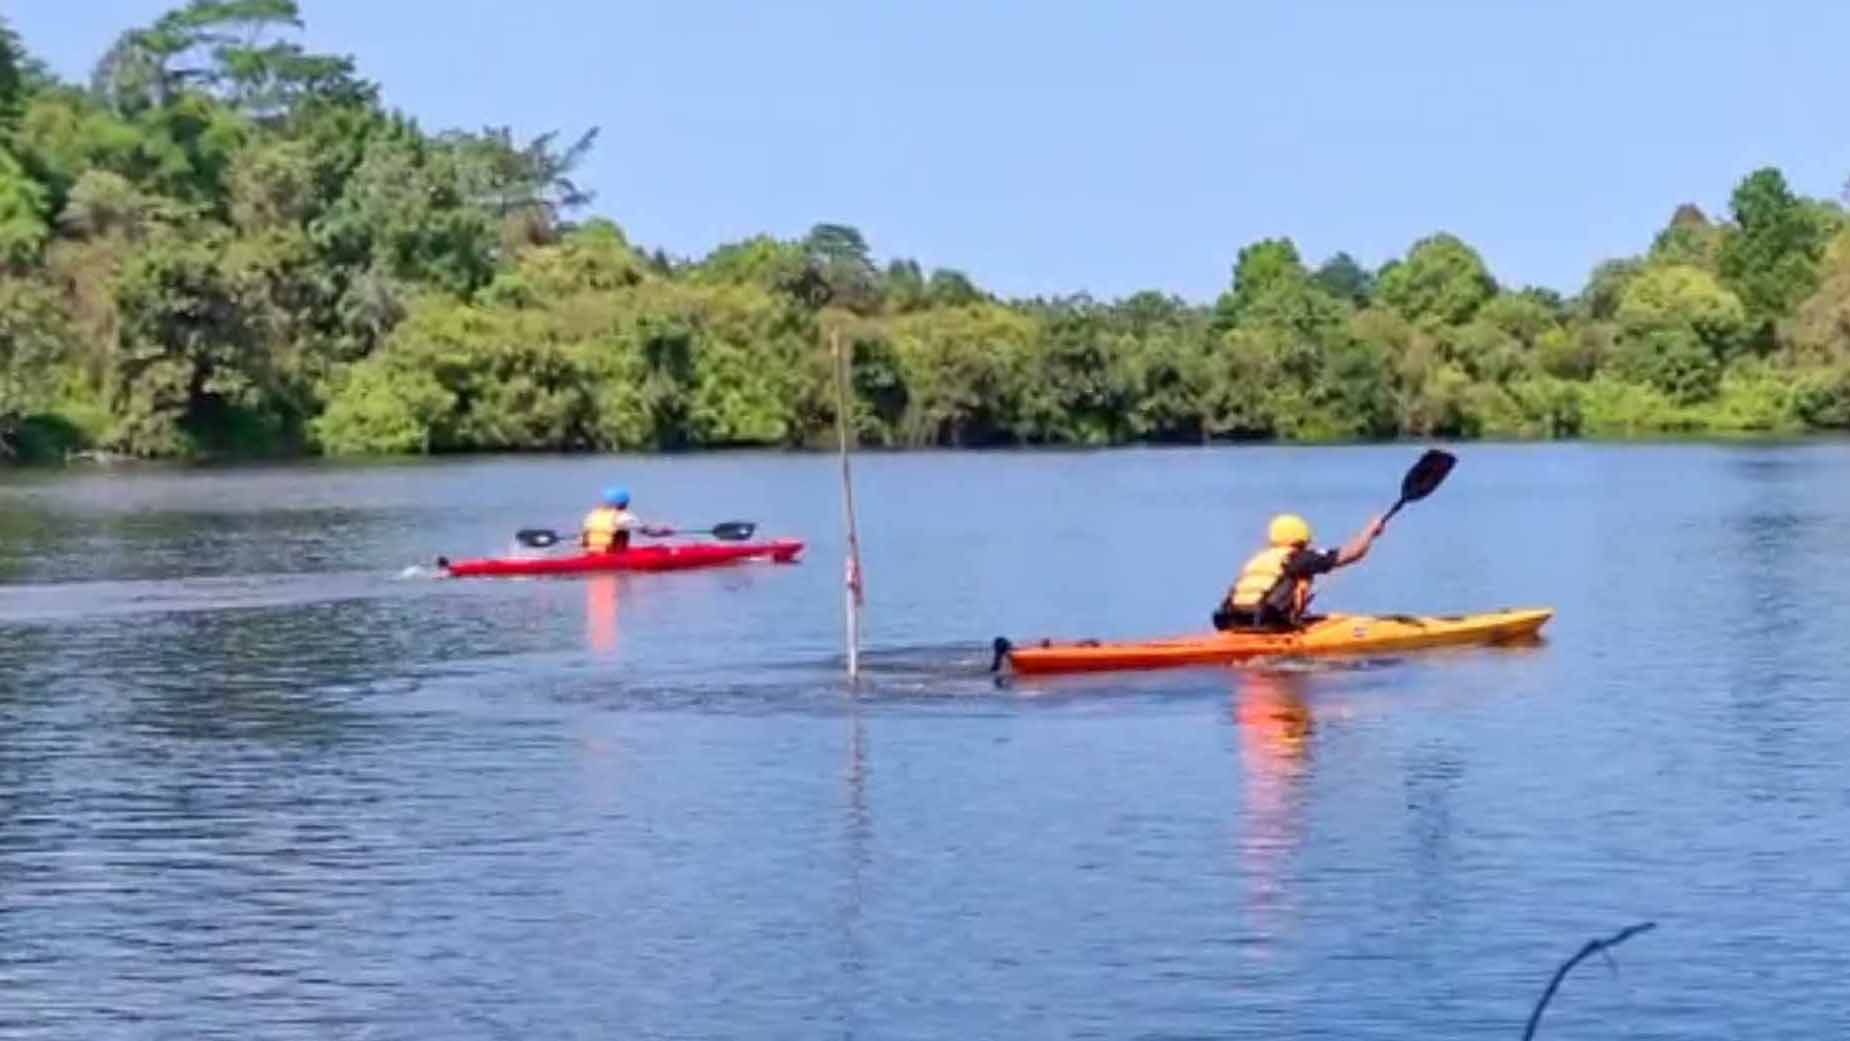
(258,781)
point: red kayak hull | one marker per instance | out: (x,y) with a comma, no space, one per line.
(665,557)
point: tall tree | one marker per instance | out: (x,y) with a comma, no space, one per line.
(529,188)
(949,288)
(1259,267)
(12,79)
(1599,299)
(904,286)
(839,256)
(34,339)
(23,226)
(1678,329)
(1442,280)
(1345,279)
(1690,238)
(229,47)
(1770,258)
(1819,333)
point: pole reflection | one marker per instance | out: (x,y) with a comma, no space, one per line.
(857,839)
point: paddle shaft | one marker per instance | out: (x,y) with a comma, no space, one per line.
(730,531)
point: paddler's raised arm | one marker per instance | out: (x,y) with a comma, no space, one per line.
(1357,547)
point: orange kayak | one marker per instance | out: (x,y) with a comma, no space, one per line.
(1328,635)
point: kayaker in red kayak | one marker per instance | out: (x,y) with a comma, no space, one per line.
(607,529)
(1274,588)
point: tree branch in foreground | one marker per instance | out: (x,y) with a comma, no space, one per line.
(1592,947)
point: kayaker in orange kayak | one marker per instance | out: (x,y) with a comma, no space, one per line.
(1274,588)
(607,529)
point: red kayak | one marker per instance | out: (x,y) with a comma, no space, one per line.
(662,557)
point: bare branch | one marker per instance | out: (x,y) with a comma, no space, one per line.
(1593,947)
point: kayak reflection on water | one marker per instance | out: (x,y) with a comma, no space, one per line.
(1270,707)
(601,613)
(1273,724)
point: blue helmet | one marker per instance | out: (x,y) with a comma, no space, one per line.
(617,496)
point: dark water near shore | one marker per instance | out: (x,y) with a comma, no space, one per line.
(257,780)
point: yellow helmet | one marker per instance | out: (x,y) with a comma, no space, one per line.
(1288,529)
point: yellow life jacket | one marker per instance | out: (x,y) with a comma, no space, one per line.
(1261,576)
(606,528)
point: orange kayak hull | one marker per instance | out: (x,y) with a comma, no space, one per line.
(1334,634)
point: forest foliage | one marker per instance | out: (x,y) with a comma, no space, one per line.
(226,244)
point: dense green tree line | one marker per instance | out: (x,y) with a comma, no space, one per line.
(224,243)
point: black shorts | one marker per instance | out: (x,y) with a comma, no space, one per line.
(1228,617)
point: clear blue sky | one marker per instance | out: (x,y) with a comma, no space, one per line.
(1050,146)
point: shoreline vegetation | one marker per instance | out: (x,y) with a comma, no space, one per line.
(226,246)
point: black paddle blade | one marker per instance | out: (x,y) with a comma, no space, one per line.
(733,531)
(1426,475)
(538,538)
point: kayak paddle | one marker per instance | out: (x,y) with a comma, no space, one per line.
(1423,479)
(729,531)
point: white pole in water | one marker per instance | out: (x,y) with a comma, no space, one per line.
(852,565)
